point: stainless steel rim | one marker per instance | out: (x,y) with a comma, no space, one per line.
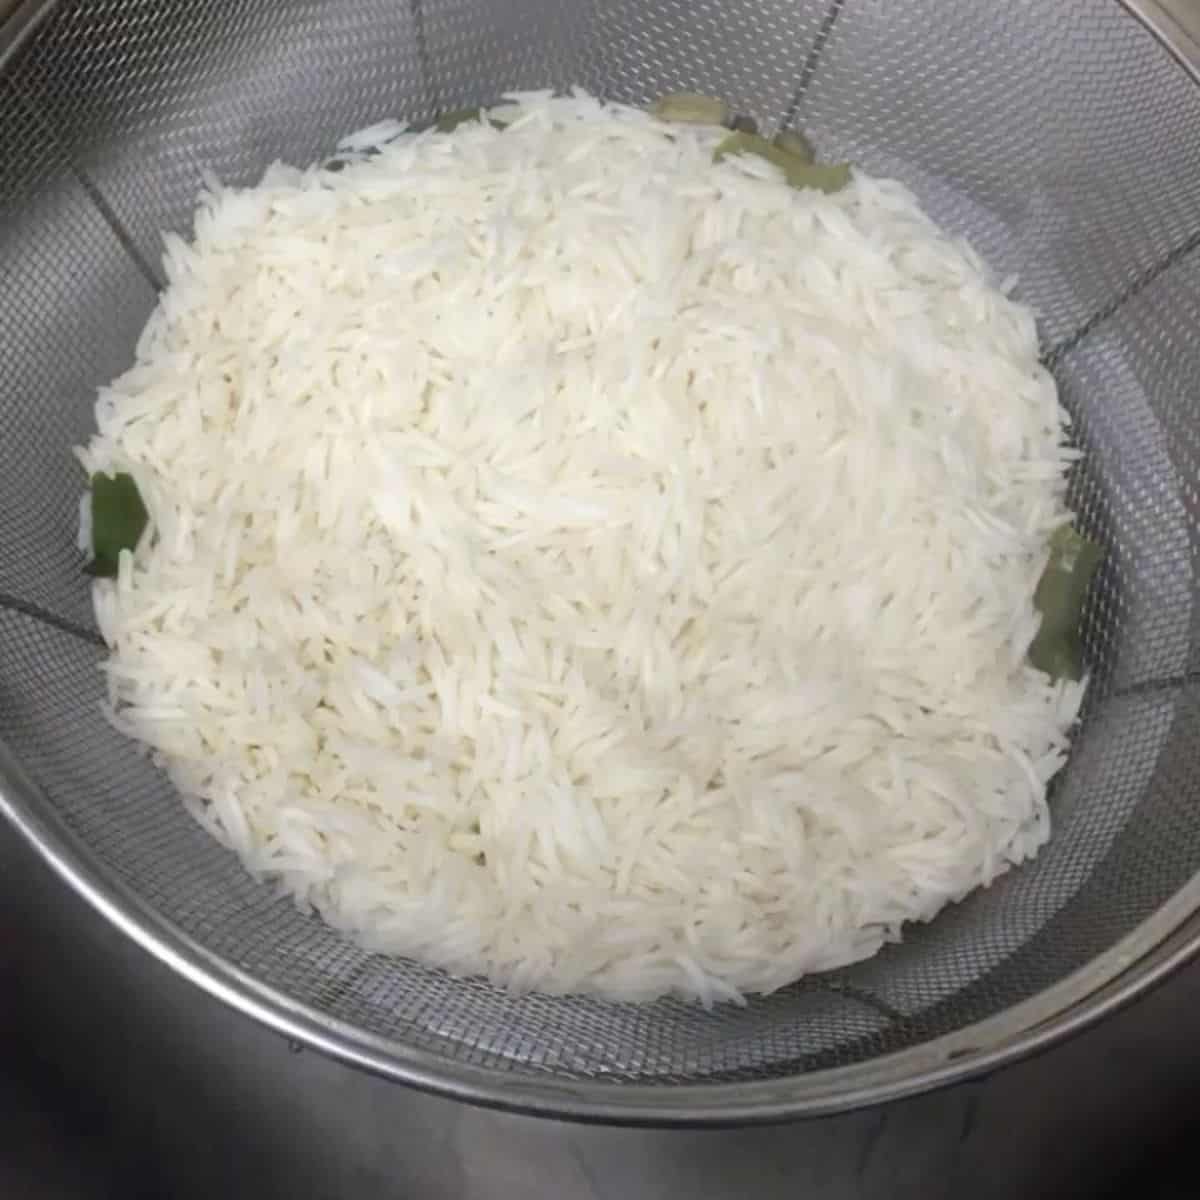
(18,20)
(1146,956)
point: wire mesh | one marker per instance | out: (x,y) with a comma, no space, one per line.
(1058,138)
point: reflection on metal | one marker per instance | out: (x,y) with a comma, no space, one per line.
(1176,23)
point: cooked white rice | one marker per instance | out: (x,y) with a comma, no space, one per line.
(578,563)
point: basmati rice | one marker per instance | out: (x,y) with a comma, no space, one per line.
(579,563)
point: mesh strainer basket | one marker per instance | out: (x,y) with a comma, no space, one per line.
(1063,139)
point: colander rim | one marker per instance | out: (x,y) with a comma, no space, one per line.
(1157,947)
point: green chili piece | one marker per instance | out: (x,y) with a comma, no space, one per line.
(119,519)
(449,121)
(825,177)
(688,108)
(793,142)
(1060,596)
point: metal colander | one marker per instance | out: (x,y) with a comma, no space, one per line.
(1062,139)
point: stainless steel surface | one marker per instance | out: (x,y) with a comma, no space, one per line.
(1061,139)
(149,1090)
(1177,24)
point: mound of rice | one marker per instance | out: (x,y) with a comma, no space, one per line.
(579,563)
